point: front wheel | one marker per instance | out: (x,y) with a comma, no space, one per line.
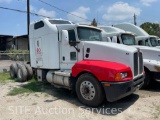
(147,79)
(89,90)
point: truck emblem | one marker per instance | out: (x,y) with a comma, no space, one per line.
(38,51)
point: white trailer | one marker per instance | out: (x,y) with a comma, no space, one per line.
(150,54)
(75,57)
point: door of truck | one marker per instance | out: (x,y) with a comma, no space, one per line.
(68,54)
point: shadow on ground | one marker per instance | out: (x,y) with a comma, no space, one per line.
(154,87)
(105,109)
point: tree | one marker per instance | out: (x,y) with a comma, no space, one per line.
(94,22)
(151,28)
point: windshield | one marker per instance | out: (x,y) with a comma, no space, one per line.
(89,34)
(146,42)
(128,39)
(158,42)
(153,41)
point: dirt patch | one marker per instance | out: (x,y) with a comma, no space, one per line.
(5,64)
(61,104)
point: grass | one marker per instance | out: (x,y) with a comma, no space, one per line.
(31,87)
(34,86)
(157,113)
(4,77)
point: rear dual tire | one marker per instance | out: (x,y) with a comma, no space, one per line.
(29,71)
(23,72)
(13,70)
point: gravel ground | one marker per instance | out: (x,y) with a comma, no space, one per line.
(51,105)
(5,64)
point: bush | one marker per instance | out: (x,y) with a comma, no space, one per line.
(19,55)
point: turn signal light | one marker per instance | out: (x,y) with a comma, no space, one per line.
(118,77)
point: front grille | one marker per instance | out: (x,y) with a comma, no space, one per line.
(138,81)
(135,64)
(140,63)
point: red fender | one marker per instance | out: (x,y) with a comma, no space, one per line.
(102,70)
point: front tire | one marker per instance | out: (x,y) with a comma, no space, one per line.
(89,90)
(147,79)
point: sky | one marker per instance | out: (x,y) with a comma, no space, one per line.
(106,12)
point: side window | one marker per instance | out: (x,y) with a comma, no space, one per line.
(140,42)
(118,41)
(72,36)
(73,56)
(38,25)
(111,38)
(146,43)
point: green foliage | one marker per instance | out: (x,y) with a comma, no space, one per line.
(94,22)
(4,77)
(31,87)
(151,28)
(35,87)
(21,55)
(17,51)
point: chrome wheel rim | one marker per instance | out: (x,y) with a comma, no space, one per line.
(87,90)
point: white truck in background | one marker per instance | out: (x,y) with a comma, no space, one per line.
(141,36)
(75,57)
(151,55)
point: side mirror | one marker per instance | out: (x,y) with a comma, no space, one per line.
(114,39)
(65,37)
(72,43)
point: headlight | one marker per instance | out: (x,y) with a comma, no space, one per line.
(124,75)
(120,76)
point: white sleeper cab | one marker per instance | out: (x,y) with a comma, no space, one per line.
(75,57)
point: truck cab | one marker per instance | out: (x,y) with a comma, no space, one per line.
(75,57)
(150,54)
(141,36)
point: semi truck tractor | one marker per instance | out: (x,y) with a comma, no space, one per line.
(150,54)
(74,57)
(141,36)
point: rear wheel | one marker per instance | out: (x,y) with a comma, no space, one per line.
(89,90)
(29,71)
(22,73)
(13,70)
